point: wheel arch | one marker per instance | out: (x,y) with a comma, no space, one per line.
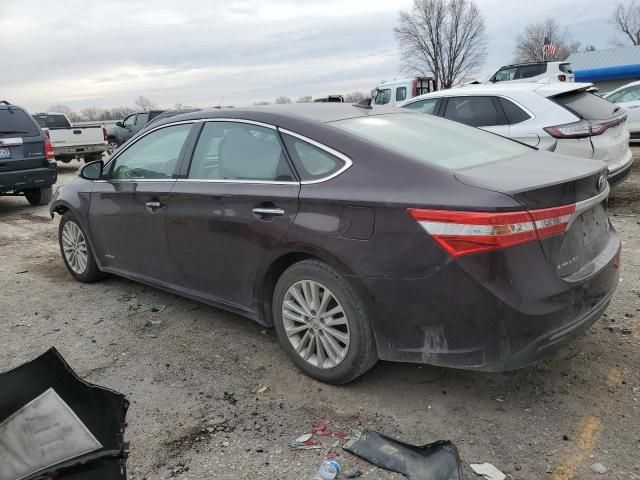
(274,266)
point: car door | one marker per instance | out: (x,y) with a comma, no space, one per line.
(629,99)
(477,111)
(128,208)
(236,201)
(126,132)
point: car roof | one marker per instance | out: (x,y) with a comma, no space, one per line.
(543,89)
(529,63)
(281,115)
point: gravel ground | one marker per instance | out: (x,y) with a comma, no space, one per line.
(213,396)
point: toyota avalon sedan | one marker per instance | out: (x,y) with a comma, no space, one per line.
(358,234)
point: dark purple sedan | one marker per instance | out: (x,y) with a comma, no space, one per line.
(358,234)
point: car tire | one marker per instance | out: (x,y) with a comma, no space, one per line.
(82,268)
(39,196)
(354,332)
(112,146)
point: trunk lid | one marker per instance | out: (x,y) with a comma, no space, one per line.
(541,180)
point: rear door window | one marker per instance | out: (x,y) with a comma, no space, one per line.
(312,163)
(514,113)
(473,111)
(239,151)
(529,71)
(52,121)
(383,96)
(401,94)
(566,68)
(424,106)
(587,105)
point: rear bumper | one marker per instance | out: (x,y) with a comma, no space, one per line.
(490,314)
(80,150)
(20,180)
(619,172)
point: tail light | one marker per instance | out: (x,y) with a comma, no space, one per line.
(584,128)
(48,149)
(104,134)
(466,233)
(562,78)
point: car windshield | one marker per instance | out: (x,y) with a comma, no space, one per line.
(16,123)
(433,140)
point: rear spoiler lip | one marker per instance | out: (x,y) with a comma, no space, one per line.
(583,87)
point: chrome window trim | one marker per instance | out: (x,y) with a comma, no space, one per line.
(260,182)
(347,161)
(239,120)
(128,180)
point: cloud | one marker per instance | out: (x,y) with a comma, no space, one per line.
(197,51)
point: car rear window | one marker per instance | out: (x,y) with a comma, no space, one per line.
(566,68)
(587,105)
(16,123)
(52,121)
(433,140)
(528,71)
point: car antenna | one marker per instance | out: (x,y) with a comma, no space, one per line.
(366,103)
(220,104)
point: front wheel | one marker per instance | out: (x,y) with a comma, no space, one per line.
(39,196)
(112,146)
(322,323)
(75,250)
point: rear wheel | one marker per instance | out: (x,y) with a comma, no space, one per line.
(75,250)
(322,323)
(39,196)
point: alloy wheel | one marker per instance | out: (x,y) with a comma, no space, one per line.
(316,324)
(74,246)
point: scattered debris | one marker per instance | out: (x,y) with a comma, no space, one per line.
(263,389)
(599,468)
(303,442)
(22,271)
(488,471)
(153,323)
(125,297)
(157,308)
(229,397)
(435,460)
(329,469)
(355,473)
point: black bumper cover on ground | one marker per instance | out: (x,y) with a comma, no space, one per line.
(101,410)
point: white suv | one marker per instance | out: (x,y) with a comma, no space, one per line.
(559,117)
(543,72)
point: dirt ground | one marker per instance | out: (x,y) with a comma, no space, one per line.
(213,396)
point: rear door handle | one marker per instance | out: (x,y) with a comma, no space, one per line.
(268,212)
(154,205)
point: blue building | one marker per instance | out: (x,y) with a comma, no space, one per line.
(607,69)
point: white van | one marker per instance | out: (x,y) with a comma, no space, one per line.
(396,91)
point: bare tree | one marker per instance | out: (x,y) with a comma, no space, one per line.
(305,99)
(626,19)
(66,110)
(443,38)
(282,99)
(355,97)
(93,113)
(143,103)
(529,44)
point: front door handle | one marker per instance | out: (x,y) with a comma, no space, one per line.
(154,205)
(268,212)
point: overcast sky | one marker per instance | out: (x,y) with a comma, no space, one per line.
(106,52)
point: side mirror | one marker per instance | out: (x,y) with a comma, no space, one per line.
(119,124)
(92,170)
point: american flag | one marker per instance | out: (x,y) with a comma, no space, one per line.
(549,47)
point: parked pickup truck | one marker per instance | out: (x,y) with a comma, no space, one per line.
(71,142)
(27,165)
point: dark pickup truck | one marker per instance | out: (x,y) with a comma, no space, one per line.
(27,162)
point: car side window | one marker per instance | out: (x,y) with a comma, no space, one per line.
(528,71)
(312,163)
(383,97)
(152,157)
(504,75)
(627,95)
(142,119)
(473,111)
(239,151)
(129,121)
(424,106)
(401,94)
(514,113)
